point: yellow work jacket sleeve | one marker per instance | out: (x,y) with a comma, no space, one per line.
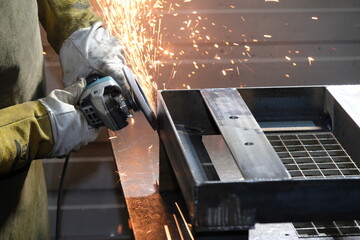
(61,18)
(25,134)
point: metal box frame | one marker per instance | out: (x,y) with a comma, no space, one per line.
(257,194)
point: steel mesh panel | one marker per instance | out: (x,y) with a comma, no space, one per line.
(316,155)
(327,229)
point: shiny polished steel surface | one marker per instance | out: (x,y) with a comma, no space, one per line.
(137,164)
(221,158)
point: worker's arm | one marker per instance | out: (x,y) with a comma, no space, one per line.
(25,134)
(61,18)
(50,127)
(84,45)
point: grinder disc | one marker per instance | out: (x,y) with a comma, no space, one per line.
(140,98)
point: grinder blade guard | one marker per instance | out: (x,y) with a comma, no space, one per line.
(105,103)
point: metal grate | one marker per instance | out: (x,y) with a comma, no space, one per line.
(327,229)
(316,155)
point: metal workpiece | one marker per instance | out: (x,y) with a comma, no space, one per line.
(248,144)
(348,96)
(342,105)
(261,155)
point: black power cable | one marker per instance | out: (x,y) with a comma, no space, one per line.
(59,199)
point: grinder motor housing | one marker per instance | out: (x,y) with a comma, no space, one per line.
(105,103)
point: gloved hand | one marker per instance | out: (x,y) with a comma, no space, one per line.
(92,50)
(69,126)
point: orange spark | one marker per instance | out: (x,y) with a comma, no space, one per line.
(310,59)
(137,24)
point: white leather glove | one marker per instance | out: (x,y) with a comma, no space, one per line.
(69,127)
(92,50)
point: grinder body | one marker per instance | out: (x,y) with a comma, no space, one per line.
(105,103)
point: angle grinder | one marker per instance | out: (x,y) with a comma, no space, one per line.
(105,103)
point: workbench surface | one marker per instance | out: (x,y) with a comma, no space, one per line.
(152,216)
